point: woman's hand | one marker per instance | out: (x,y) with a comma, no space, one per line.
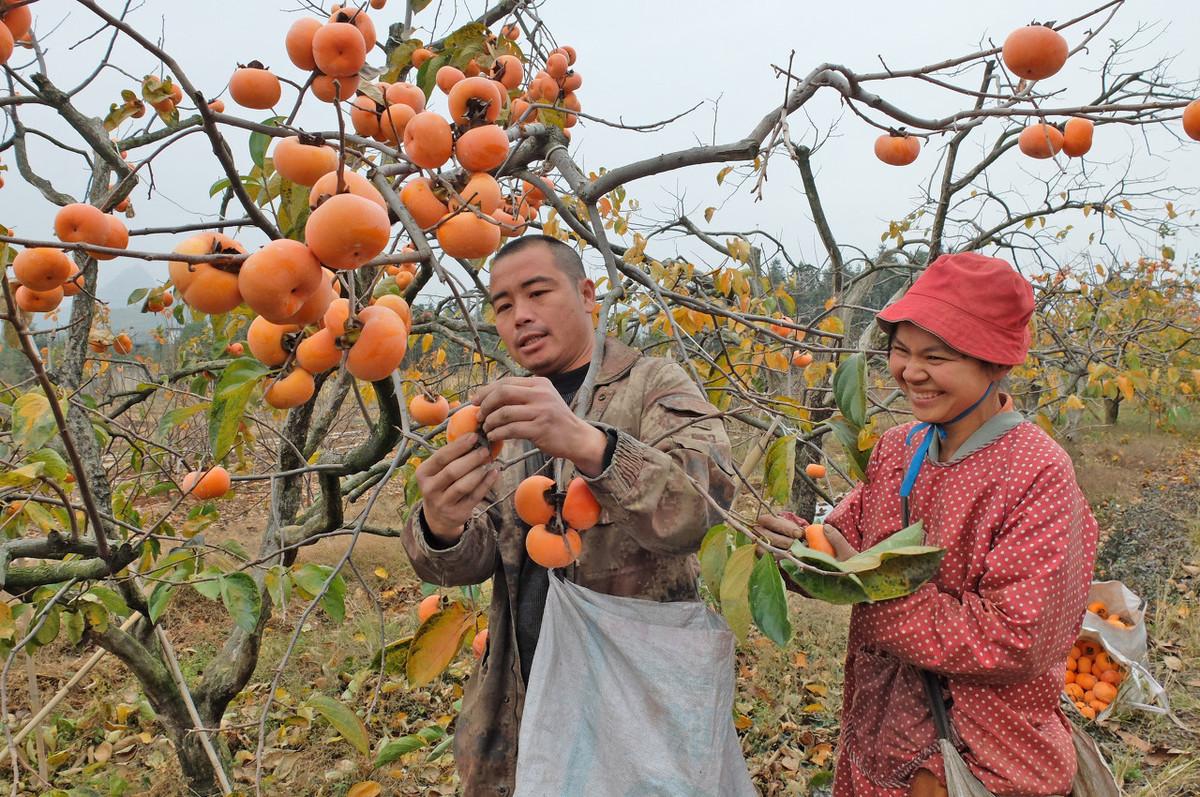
(785,528)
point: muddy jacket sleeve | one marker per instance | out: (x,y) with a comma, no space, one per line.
(658,484)
(1011,627)
(471,560)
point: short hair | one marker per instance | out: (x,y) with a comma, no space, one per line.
(564,255)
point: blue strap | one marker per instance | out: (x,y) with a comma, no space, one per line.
(930,429)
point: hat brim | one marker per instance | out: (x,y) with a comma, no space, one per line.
(957,328)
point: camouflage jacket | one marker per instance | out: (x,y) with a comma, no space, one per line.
(651,525)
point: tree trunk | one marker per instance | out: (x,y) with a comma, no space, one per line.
(1112,407)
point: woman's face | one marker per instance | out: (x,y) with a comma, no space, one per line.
(940,383)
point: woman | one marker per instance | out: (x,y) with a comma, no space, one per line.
(996,622)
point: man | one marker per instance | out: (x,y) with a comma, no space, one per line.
(648,426)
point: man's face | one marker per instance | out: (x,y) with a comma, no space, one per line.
(543,316)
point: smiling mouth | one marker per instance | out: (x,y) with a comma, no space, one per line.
(529,340)
(925,395)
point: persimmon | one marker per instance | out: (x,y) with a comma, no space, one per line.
(353,183)
(122,344)
(403,279)
(381,344)
(81,223)
(235,349)
(266,341)
(521,113)
(17,20)
(509,70)
(572,82)
(32,301)
(318,352)
(1104,691)
(378,4)
(571,102)
(481,191)
(347,231)
(303,163)
(7,44)
(328,88)
(814,537)
(216,106)
(897,150)
(1035,52)
(428,140)
(73,284)
(1040,141)
(557,65)
(428,607)
(569,52)
(510,225)
(359,19)
(313,309)
(420,56)
(428,412)
(207,287)
(339,49)
(474,99)
(418,197)
(1074,691)
(552,550)
(290,391)
(42,268)
(815,470)
(482,148)
(1077,137)
(531,194)
(1113,677)
(1086,711)
(116,237)
(407,94)
(802,359)
(394,121)
(1070,676)
(1098,608)
(1115,620)
(479,643)
(447,77)
(1085,680)
(206,485)
(364,116)
(580,509)
(253,86)
(1191,120)
(397,305)
(510,31)
(276,280)
(466,421)
(467,236)
(1083,665)
(530,499)
(336,316)
(299,42)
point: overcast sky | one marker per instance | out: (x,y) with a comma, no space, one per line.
(643,61)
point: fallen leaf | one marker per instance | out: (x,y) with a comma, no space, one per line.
(1173,663)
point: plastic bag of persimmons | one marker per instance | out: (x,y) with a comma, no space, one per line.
(1107,669)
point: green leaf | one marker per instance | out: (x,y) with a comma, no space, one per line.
(53,465)
(137,296)
(230,398)
(310,578)
(426,79)
(178,416)
(768,601)
(847,435)
(72,623)
(32,420)
(260,141)
(19,477)
(208,582)
(850,389)
(343,720)
(398,747)
(48,631)
(437,642)
(219,186)
(279,585)
(159,599)
(838,590)
(714,553)
(780,469)
(110,600)
(440,749)
(735,590)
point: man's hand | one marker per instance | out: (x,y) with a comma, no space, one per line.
(529,408)
(453,481)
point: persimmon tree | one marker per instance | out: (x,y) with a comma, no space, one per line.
(343,287)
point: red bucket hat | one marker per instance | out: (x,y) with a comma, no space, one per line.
(978,305)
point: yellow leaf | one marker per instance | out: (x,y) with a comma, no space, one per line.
(366,788)
(820,690)
(708,213)
(1074,403)
(636,253)
(832,324)
(1125,204)
(777,360)
(439,359)
(721,175)
(381,572)
(1126,387)
(813,708)
(742,722)
(1087,211)
(1029,223)
(426,342)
